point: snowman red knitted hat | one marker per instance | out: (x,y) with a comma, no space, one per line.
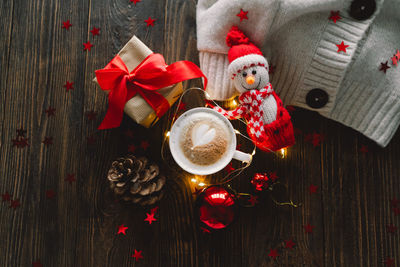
(242,53)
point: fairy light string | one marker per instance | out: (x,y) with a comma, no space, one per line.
(233,174)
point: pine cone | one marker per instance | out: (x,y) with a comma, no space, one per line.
(135,179)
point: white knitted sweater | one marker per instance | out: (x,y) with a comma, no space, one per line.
(297,37)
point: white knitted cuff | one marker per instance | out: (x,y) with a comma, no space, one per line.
(215,67)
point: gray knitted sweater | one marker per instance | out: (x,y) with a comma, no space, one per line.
(300,41)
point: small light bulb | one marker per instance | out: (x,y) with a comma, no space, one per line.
(202,184)
(194,180)
(283,152)
(167,134)
(234,102)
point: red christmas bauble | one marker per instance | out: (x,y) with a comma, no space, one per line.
(216,207)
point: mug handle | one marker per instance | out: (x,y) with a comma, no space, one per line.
(241,156)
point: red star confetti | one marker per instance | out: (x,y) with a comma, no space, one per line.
(315,139)
(95,31)
(66,25)
(87,46)
(289,244)
(394,60)
(150,22)
(91,115)
(69,85)
(150,218)
(313,189)
(6,197)
(50,194)
(20,142)
(384,67)
(394,202)
(389,262)
(70,178)
(182,106)
(15,204)
(129,133)
(364,149)
(144,145)
(132,148)
(273,253)
(335,16)
(398,54)
(229,168)
(273,176)
(238,146)
(50,111)
(154,210)
(253,200)
(48,140)
(137,255)
(91,140)
(271,69)
(242,15)
(205,230)
(391,228)
(21,132)
(122,229)
(309,228)
(135,1)
(342,47)
(37,264)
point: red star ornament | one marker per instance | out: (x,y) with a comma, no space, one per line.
(150,22)
(242,15)
(50,194)
(394,60)
(122,229)
(145,145)
(150,218)
(15,204)
(50,111)
(132,148)
(229,168)
(273,176)
(384,67)
(6,197)
(309,228)
(273,253)
(289,244)
(154,210)
(87,46)
(335,16)
(20,142)
(37,264)
(391,228)
(95,31)
(48,140)
(66,25)
(137,255)
(182,106)
(342,47)
(313,189)
(70,178)
(129,133)
(135,1)
(389,262)
(69,85)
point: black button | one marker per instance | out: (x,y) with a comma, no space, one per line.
(317,98)
(362,9)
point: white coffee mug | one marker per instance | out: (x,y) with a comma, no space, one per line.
(176,148)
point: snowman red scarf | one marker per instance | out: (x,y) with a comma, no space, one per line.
(273,136)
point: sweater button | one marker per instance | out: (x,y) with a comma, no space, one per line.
(317,98)
(362,9)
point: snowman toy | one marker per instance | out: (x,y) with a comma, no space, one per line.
(268,122)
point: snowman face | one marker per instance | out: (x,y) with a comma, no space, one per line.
(251,78)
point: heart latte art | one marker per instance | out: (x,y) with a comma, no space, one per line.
(204,141)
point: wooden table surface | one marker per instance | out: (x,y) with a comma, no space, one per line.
(56,222)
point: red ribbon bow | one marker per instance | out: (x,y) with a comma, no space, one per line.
(149,76)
